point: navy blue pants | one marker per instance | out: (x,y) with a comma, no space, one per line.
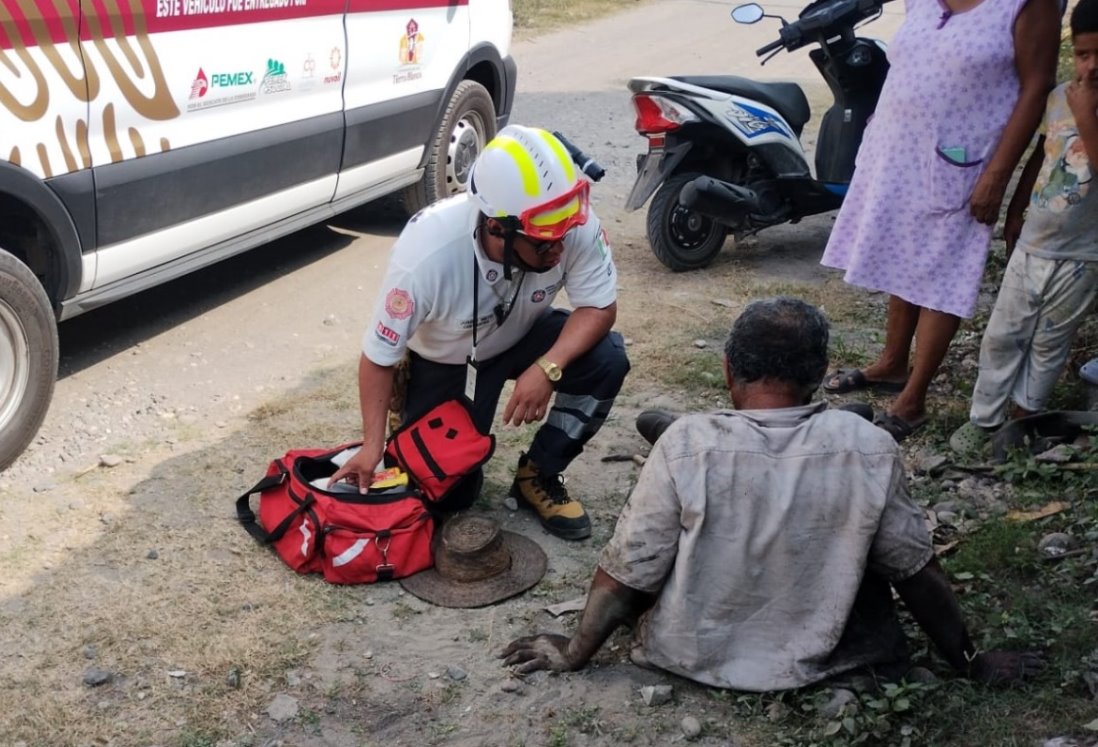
(582,401)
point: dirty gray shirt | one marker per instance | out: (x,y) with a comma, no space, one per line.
(755,529)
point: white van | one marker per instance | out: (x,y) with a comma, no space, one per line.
(144,139)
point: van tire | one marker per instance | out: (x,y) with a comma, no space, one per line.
(28,356)
(468,123)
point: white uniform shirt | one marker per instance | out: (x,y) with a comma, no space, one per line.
(426,299)
(755,528)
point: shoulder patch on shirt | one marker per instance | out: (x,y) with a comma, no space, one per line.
(386,335)
(399,304)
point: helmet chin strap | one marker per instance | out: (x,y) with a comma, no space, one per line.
(510,256)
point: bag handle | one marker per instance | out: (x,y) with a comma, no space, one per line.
(247,517)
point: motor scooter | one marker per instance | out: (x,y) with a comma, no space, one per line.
(724,153)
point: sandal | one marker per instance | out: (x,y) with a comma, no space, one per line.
(899,428)
(853,379)
(970,440)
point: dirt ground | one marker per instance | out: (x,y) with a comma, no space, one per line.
(135,611)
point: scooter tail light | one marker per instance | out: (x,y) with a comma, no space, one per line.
(657,115)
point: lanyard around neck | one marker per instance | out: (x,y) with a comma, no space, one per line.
(500,311)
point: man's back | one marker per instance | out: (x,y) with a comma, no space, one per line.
(756,528)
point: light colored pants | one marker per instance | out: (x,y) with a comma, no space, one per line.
(1028,337)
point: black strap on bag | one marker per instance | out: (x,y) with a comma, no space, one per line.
(247,517)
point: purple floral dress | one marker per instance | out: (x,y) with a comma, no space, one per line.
(905,226)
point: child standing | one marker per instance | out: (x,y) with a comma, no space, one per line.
(1050,281)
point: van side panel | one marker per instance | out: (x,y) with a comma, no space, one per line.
(405,54)
(174,135)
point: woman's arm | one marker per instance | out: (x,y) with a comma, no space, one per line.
(1036,46)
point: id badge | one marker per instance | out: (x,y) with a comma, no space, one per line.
(470,379)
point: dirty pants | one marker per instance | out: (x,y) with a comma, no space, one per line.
(583,398)
(1040,305)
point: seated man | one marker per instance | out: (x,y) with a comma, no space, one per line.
(760,542)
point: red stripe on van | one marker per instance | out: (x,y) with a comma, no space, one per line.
(159,16)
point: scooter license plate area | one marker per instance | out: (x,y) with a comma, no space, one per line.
(649,176)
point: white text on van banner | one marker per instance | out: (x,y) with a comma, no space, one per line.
(169,8)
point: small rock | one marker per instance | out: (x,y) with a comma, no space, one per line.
(369,654)
(177,674)
(922,675)
(95,677)
(433,675)
(510,503)
(701,344)
(457,674)
(90,652)
(221,424)
(954,507)
(840,699)
(330,320)
(655,695)
(776,712)
(282,708)
(1054,545)
(44,487)
(723,302)
(106,518)
(931,463)
(691,728)
(1060,454)
(110,460)
(947,517)
(152,555)
(512,686)
(628,341)
(232,679)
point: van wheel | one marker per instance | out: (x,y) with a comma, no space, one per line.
(469,123)
(28,356)
(680,238)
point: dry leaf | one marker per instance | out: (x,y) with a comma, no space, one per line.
(1049,509)
(943,549)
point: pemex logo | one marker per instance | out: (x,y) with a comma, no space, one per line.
(200,86)
(275,79)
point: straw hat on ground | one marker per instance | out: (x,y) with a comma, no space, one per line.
(477,564)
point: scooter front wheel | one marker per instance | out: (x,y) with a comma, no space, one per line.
(682,239)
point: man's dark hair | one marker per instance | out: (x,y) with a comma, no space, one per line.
(1084,19)
(780,338)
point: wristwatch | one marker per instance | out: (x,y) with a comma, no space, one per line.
(552,370)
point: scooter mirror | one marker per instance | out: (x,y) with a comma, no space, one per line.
(749,13)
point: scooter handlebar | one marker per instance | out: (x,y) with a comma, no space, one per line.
(821,16)
(776,44)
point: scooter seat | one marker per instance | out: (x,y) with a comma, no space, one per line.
(785,98)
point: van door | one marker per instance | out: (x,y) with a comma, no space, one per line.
(403,55)
(214,119)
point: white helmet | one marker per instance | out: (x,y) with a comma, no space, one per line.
(526,177)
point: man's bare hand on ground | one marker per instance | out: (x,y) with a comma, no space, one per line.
(1005,668)
(534,652)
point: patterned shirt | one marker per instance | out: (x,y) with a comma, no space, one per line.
(1062,221)
(756,530)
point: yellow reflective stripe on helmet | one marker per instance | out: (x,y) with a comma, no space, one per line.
(528,172)
(561,153)
(556,216)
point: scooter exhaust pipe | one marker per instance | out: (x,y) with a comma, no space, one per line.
(721,201)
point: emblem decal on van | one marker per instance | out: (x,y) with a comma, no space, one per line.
(220,86)
(335,61)
(411,50)
(275,79)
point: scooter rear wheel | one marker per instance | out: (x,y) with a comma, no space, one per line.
(680,238)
